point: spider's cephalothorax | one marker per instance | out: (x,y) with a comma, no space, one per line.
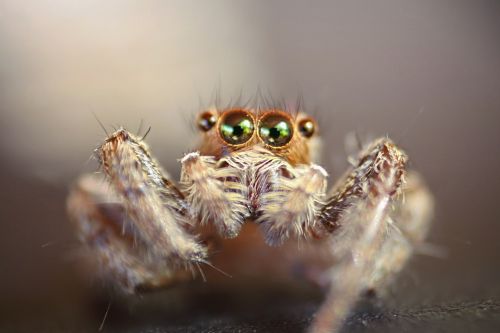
(281,133)
(257,167)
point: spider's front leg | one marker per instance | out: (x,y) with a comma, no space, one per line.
(137,227)
(377,214)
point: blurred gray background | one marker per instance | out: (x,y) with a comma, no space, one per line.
(427,73)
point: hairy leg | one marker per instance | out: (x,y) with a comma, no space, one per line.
(407,226)
(377,222)
(158,218)
(111,248)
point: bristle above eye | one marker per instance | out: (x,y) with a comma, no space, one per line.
(257,102)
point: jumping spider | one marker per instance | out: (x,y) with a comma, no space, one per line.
(252,167)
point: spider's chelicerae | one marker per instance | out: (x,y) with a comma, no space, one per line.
(253,167)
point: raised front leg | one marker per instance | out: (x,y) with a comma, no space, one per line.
(138,228)
(376,222)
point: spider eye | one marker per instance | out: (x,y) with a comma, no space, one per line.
(236,127)
(307,127)
(206,121)
(275,130)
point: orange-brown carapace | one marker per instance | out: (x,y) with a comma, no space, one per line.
(290,136)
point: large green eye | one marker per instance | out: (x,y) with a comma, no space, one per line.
(236,127)
(275,130)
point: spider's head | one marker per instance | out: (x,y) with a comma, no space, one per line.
(293,137)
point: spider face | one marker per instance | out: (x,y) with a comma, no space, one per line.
(291,137)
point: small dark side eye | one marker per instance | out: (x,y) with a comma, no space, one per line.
(206,121)
(307,128)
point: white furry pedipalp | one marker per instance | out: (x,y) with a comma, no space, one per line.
(254,184)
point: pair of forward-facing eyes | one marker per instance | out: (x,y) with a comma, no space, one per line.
(274,128)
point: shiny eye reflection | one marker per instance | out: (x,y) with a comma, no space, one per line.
(236,127)
(206,121)
(275,130)
(307,128)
